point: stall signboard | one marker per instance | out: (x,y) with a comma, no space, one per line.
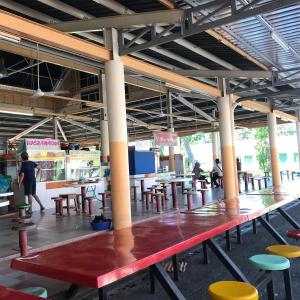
(165,138)
(42,144)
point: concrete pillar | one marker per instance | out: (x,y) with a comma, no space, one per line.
(232,108)
(55,129)
(225,127)
(273,149)
(118,144)
(298,134)
(170,129)
(104,120)
(215,145)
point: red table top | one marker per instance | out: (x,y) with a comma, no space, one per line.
(105,258)
(10,294)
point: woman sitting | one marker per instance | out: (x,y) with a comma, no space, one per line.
(198,173)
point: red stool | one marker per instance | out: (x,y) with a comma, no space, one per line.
(159,198)
(294,234)
(104,196)
(90,204)
(58,205)
(148,195)
(203,195)
(202,183)
(189,197)
(23,236)
(133,188)
(259,182)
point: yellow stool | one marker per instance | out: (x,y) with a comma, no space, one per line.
(288,251)
(232,290)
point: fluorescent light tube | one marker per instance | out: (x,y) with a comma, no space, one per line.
(9,37)
(16,113)
(173,86)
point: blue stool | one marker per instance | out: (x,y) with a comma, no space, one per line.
(270,263)
(37,291)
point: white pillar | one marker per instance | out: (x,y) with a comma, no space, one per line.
(118,141)
(298,134)
(232,108)
(104,121)
(215,139)
(170,129)
(215,145)
(273,149)
(225,128)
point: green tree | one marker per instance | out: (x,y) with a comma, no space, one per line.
(199,137)
(262,149)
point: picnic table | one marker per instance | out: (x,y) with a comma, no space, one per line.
(10,294)
(106,258)
(173,182)
(83,189)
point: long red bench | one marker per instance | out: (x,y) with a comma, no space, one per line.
(106,258)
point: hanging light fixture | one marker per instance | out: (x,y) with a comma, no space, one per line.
(3,70)
(38,92)
(161,115)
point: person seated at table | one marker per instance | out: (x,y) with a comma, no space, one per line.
(198,173)
(217,172)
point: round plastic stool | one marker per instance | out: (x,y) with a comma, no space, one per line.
(269,262)
(232,290)
(294,234)
(288,251)
(37,291)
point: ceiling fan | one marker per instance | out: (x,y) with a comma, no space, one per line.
(39,92)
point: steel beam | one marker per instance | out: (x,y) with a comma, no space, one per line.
(189,27)
(28,130)
(162,18)
(61,130)
(81,125)
(290,92)
(143,124)
(225,74)
(194,108)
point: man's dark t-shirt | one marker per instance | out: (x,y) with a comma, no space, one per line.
(28,168)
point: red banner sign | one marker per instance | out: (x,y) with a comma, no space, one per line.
(165,138)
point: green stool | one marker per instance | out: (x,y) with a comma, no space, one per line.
(269,263)
(22,209)
(37,291)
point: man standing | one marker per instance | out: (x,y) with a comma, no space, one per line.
(28,177)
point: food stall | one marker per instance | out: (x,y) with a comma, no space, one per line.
(60,170)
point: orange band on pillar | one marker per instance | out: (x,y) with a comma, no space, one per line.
(235,171)
(121,211)
(275,167)
(228,172)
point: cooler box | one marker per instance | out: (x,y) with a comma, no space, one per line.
(141,162)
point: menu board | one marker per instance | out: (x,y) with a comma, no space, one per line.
(52,164)
(83,164)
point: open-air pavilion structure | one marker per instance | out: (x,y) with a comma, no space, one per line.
(105,72)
